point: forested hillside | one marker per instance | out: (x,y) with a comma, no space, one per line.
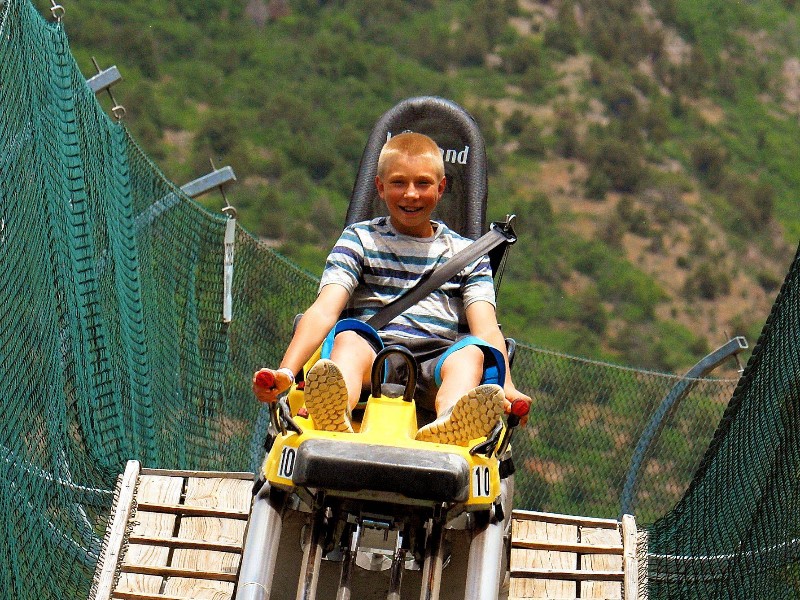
(648,147)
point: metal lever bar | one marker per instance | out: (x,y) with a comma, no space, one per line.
(396,574)
(434,558)
(348,564)
(312,556)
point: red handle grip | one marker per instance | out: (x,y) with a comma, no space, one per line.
(520,408)
(265,379)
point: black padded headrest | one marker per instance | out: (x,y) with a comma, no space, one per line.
(463,206)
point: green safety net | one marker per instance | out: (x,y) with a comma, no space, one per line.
(736,533)
(113,345)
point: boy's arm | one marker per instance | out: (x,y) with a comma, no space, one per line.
(314,325)
(482,321)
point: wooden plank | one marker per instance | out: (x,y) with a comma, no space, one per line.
(175,542)
(525,561)
(186,535)
(196,511)
(222,531)
(217,474)
(192,558)
(566,575)
(578,548)
(116,531)
(225,494)
(163,571)
(630,557)
(146,596)
(230,495)
(211,561)
(195,594)
(198,589)
(532,515)
(607,590)
(151,488)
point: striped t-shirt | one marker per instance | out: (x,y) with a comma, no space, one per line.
(376,264)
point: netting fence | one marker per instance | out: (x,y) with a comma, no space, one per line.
(113,347)
(735,533)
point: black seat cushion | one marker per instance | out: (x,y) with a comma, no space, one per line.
(351,467)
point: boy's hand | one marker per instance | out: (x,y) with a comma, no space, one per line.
(269,384)
(512,396)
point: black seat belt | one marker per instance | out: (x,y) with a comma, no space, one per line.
(499,233)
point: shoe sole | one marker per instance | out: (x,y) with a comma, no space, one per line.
(326,397)
(473,416)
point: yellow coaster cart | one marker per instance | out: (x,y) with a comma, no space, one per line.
(375,513)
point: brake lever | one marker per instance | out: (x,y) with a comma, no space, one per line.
(487,446)
(287,422)
(519,409)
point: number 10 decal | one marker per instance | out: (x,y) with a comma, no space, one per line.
(481,482)
(286,466)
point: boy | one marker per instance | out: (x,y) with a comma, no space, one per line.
(372,263)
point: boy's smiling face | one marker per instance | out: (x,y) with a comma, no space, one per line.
(411,187)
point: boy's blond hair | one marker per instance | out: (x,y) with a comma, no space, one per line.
(410,143)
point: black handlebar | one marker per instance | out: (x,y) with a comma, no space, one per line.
(377,371)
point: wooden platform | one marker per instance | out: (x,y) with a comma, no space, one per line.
(565,557)
(174,535)
(178,535)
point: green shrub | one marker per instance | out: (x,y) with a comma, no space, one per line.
(663,346)
(707,281)
(708,159)
(566,134)
(769,282)
(751,201)
(521,56)
(591,312)
(564,34)
(515,123)
(635,218)
(531,140)
(598,183)
(620,162)
(613,230)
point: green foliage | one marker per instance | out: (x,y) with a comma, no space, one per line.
(751,201)
(524,54)
(617,32)
(567,143)
(531,140)
(709,158)
(663,346)
(617,281)
(707,281)
(633,217)
(617,162)
(564,34)
(288,97)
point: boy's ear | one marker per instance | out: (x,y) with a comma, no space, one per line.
(442,186)
(379,186)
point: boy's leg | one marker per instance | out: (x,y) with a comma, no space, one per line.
(354,357)
(465,410)
(333,386)
(460,372)
(325,397)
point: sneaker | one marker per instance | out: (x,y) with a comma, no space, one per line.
(473,416)
(326,397)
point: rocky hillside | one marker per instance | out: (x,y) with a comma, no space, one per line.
(648,147)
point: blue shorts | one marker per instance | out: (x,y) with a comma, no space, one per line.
(430,354)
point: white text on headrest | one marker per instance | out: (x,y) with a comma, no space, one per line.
(450,155)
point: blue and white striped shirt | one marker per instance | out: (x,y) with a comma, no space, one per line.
(376,264)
